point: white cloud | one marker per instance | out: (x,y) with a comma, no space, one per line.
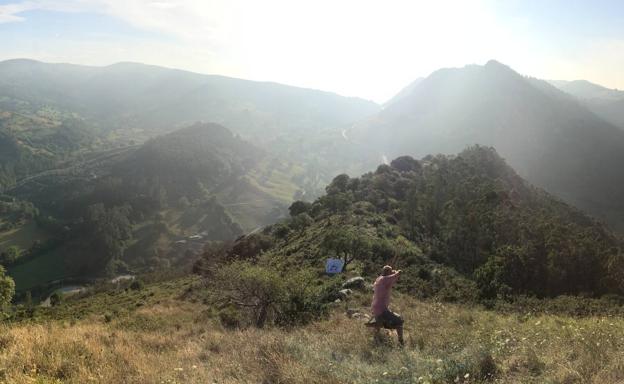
(9,13)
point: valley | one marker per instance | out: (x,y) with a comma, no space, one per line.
(163,180)
(105,141)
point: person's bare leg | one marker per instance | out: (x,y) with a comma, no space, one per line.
(400,334)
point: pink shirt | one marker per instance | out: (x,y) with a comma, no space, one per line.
(382,289)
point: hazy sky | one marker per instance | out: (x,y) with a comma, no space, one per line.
(360,48)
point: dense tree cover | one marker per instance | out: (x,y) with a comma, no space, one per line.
(103,234)
(14,212)
(92,218)
(458,225)
(186,164)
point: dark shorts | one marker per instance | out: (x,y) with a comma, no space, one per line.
(389,319)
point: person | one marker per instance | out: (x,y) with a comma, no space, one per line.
(383,316)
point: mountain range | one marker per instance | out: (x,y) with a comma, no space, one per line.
(53,112)
(548,136)
(606,103)
(117,155)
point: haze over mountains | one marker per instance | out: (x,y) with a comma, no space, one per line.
(115,153)
(606,103)
(135,97)
(547,135)
(107,154)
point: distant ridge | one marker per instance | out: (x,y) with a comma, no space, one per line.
(551,138)
(606,103)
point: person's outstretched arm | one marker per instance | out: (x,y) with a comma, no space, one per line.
(391,279)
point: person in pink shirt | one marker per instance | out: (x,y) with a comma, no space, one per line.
(384,317)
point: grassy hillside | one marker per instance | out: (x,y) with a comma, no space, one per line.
(154,336)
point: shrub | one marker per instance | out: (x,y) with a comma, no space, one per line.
(7,288)
(281,230)
(230,317)
(56,299)
(299,207)
(136,285)
(262,295)
(301,222)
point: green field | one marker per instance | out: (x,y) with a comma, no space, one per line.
(23,236)
(48,267)
(276,181)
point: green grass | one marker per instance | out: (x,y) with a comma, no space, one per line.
(23,236)
(47,267)
(276,182)
(116,302)
(153,335)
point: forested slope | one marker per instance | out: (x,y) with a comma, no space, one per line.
(462,227)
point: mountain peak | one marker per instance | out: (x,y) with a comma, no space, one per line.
(494,65)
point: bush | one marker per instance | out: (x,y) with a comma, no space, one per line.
(262,295)
(301,222)
(299,207)
(7,288)
(56,299)
(136,285)
(230,317)
(281,230)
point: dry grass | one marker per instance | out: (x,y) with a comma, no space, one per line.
(175,342)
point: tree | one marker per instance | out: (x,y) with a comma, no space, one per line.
(338,184)
(299,207)
(56,299)
(406,164)
(301,222)
(105,233)
(251,287)
(266,295)
(10,256)
(337,202)
(7,288)
(347,245)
